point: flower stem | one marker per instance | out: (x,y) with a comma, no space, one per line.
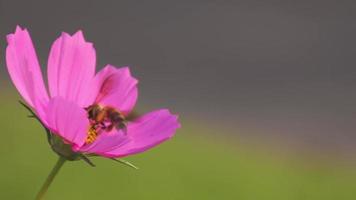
(61,160)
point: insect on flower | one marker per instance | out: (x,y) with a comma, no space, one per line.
(105,118)
(87,111)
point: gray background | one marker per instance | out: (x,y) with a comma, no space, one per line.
(274,69)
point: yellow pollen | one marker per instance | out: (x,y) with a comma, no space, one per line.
(92,134)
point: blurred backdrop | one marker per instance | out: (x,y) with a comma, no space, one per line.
(265,91)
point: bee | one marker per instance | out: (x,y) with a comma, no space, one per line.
(106,117)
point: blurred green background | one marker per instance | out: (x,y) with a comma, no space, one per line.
(265,91)
(196,164)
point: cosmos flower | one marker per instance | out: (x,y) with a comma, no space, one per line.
(86,111)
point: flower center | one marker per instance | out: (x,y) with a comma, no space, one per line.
(103,118)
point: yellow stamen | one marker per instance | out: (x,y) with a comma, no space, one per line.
(92,134)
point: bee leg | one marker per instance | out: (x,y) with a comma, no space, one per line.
(125,130)
(123,126)
(109,128)
(102,125)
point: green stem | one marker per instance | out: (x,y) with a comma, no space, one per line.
(61,160)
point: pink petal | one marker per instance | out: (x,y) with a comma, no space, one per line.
(71,68)
(24,69)
(147,132)
(106,142)
(117,88)
(68,120)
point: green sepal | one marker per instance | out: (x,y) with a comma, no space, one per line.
(125,162)
(87,160)
(33,115)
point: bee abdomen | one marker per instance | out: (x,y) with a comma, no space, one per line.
(92,134)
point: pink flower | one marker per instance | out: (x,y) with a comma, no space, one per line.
(88,111)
